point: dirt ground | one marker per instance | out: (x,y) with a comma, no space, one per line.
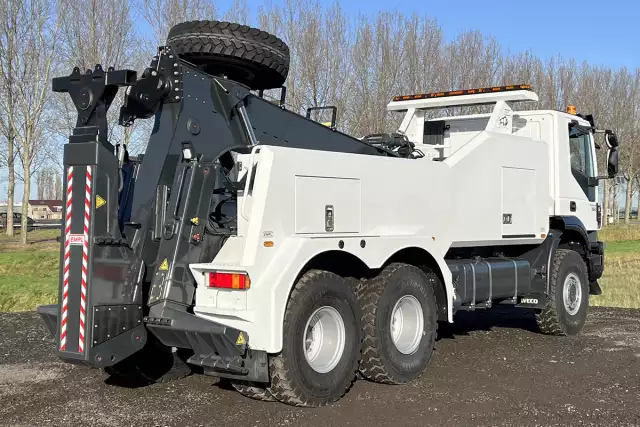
(489,369)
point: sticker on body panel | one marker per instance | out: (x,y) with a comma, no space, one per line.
(76,239)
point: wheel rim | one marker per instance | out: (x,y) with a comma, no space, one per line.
(572,293)
(407,324)
(324,339)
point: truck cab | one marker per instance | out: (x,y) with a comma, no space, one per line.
(570,137)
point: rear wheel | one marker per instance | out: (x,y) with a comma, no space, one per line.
(255,391)
(321,346)
(247,55)
(566,311)
(399,318)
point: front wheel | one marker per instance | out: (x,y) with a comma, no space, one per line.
(566,311)
(321,345)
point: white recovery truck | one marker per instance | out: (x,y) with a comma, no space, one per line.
(502,208)
(268,249)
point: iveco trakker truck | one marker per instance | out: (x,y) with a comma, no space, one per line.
(255,244)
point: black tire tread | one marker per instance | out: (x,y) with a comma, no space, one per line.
(253,391)
(282,387)
(369,293)
(547,319)
(223,39)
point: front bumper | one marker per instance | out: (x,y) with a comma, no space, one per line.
(218,349)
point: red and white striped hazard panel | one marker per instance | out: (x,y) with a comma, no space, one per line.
(85,258)
(73,240)
(67,252)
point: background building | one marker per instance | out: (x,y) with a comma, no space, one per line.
(45,209)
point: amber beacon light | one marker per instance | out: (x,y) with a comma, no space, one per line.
(462,92)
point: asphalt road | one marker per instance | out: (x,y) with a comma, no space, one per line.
(489,369)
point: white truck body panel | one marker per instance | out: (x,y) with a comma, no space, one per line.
(495,180)
(284,181)
(441,208)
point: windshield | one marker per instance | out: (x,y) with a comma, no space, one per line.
(581,158)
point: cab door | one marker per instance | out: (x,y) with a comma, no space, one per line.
(577,169)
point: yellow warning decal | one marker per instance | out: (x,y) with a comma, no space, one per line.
(195,221)
(241,340)
(164,265)
(100,202)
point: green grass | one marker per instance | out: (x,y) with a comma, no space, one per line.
(29,274)
(622,246)
(621,232)
(45,234)
(29,278)
(621,280)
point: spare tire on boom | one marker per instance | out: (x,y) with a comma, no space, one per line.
(244,54)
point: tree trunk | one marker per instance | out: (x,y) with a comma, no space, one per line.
(627,202)
(58,187)
(605,202)
(614,202)
(25,205)
(12,183)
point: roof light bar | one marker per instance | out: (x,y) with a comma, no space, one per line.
(462,92)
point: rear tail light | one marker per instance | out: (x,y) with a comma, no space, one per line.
(229,280)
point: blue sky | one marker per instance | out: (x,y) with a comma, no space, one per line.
(601,32)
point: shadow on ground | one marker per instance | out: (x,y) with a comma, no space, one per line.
(487,320)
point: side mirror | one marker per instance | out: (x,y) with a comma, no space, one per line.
(612,162)
(611,139)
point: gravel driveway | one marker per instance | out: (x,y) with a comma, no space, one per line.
(489,369)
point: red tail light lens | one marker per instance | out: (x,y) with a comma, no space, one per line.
(229,280)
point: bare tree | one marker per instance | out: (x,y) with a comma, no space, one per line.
(95,32)
(57,186)
(238,13)
(34,48)
(320,56)
(9,34)
(164,14)
(40,185)
(594,96)
(49,184)
(376,72)
(625,89)
(423,45)
(355,64)
(283,21)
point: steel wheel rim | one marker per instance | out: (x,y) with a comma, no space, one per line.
(572,293)
(407,324)
(324,339)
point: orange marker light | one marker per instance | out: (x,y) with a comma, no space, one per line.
(571,109)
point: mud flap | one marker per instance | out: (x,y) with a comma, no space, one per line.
(594,288)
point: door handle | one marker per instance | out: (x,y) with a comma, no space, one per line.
(572,206)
